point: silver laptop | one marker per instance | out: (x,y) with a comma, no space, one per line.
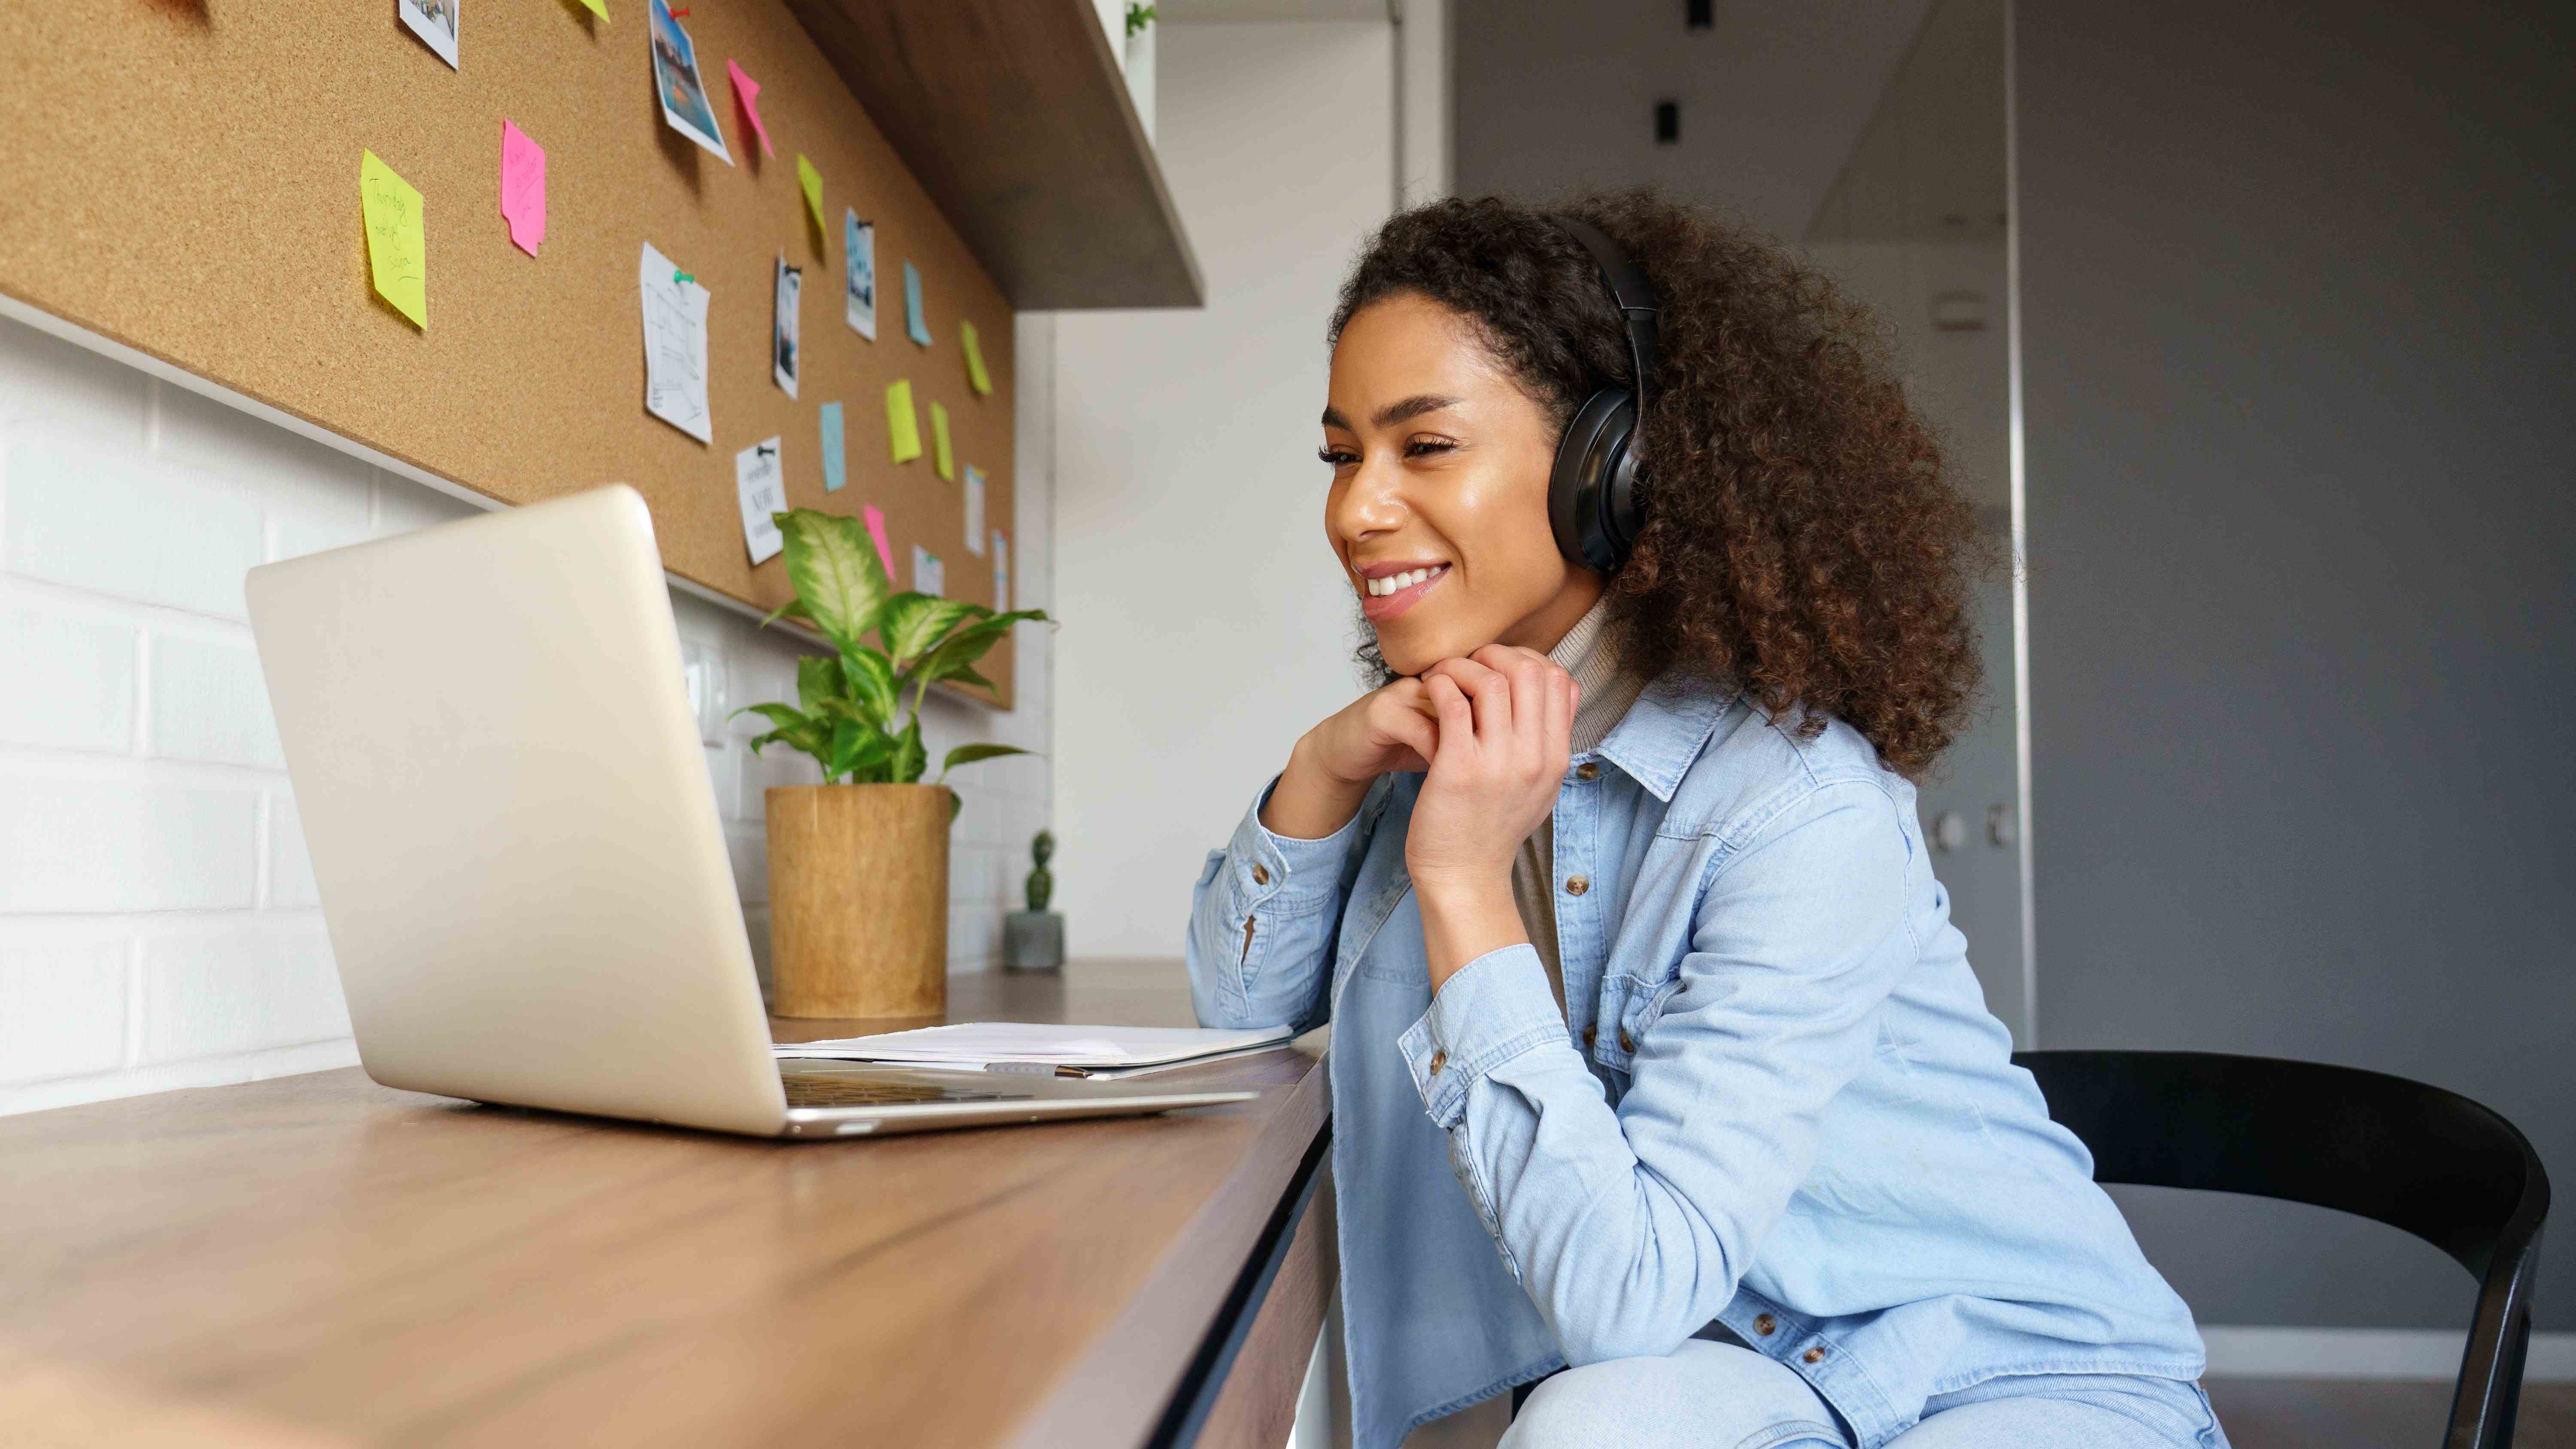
(520,862)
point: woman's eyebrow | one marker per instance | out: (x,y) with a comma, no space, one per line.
(1394,412)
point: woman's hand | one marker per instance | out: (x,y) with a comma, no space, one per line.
(1506,716)
(1330,770)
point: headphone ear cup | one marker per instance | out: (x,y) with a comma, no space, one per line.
(1591,491)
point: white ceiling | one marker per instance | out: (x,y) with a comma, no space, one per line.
(1555,96)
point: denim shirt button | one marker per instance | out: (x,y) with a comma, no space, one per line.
(1588,1034)
(1439,1059)
(1576,885)
(1587,771)
(1261,875)
(1626,1045)
(1813,1355)
(1764,1323)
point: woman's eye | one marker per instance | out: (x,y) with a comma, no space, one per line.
(1424,447)
(1336,456)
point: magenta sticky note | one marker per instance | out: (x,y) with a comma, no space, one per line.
(876,530)
(747,91)
(523,188)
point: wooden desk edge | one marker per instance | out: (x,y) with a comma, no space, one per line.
(1117,1393)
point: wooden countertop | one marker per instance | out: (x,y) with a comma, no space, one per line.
(317,1260)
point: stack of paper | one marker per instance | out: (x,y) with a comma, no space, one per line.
(1090,1051)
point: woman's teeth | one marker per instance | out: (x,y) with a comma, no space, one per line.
(1397,583)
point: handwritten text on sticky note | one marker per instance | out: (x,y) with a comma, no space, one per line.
(523,188)
(397,242)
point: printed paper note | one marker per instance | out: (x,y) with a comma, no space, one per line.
(812,182)
(789,286)
(397,244)
(976,376)
(836,466)
(859,274)
(675,346)
(746,92)
(523,188)
(929,576)
(1001,573)
(761,486)
(940,457)
(683,92)
(903,428)
(916,326)
(875,520)
(974,510)
(434,21)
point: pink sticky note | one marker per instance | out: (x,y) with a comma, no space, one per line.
(747,91)
(876,530)
(523,188)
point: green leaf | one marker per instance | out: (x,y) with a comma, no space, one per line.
(965,674)
(914,622)
(969,754)
(818,679)
(869,680)
(956,802)
(909,755)
(833,565)
(785,716)
(813,736)
(792,609)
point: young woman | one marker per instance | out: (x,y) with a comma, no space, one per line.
(1656,1057)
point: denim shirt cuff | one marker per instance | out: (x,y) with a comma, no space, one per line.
(1495,1008)
(1290,876)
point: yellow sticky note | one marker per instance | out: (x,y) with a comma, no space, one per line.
(903,429)
(596,7)
(812,181)
(976,376)
(946,461)
(397,244)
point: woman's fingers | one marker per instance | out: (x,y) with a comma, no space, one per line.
(1489,689)
(1457,717)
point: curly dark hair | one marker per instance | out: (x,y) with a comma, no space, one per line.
(1802,538)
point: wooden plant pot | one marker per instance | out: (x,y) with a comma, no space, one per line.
(858,900)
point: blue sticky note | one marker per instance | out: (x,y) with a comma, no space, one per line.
(836,468)
(916,326)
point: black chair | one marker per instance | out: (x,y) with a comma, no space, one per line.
(2415,1157)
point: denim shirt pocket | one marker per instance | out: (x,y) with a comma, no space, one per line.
(1629,1006)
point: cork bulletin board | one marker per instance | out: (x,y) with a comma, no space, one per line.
(182,178)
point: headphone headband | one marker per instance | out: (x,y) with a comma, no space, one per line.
(1630,292)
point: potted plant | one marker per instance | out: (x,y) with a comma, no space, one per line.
(1033,940)
(858,865)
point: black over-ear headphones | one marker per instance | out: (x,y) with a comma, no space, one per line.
(1593,500)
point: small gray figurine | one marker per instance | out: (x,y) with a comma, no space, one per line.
(1033,940)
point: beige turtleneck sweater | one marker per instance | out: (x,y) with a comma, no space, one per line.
(1607,692)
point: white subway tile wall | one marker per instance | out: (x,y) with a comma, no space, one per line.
(159,924)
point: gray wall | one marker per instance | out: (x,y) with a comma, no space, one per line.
(2299,323)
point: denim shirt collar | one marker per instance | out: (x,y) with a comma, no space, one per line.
(1664,731)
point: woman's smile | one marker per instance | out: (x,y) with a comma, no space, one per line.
(1392,588)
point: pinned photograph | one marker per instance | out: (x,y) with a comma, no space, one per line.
(676,80)
(760,487)
(783,349)
(434,21)
(859,273)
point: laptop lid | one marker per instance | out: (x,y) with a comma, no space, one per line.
(510,819)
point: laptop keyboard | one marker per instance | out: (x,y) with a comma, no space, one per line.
(823,1090)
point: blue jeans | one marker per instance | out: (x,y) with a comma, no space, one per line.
(1708,1395)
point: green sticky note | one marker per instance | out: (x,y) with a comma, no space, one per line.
(812,180)
(397,245)
(946,461)
(903,429)
(976,376)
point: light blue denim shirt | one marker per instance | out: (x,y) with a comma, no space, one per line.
(1779,1103)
